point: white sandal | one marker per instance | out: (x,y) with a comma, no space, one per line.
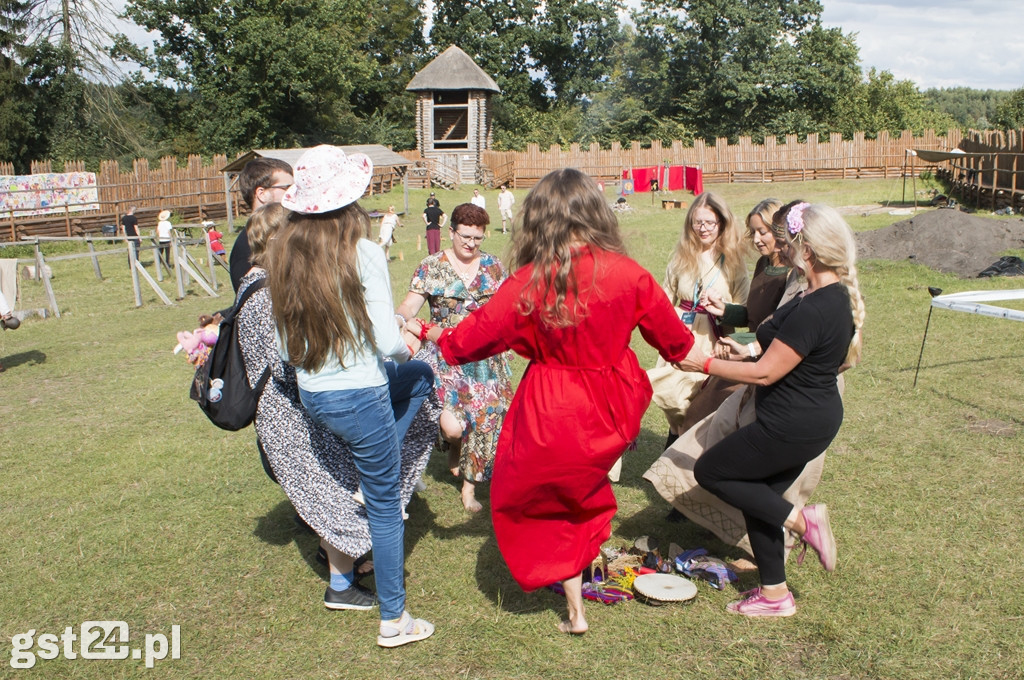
(403,631)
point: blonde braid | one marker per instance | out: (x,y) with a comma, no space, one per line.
(848,277)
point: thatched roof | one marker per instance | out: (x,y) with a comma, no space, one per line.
(453,69)
(381,156)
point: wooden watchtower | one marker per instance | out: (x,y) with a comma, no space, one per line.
(453,115)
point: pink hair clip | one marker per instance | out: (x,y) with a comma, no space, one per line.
(795,218)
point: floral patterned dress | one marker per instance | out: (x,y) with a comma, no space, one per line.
(477,394)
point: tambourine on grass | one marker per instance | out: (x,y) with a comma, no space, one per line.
(660,589)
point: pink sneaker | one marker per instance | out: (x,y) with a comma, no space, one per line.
(819,535)
(756,604)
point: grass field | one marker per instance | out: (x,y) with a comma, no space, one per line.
(121,502)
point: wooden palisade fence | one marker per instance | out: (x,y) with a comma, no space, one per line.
(829,157)
(195,191)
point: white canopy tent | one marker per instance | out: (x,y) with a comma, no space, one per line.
(972,302)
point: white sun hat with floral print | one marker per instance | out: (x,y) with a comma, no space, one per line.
(326,179)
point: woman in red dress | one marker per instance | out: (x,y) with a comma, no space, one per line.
(570,308)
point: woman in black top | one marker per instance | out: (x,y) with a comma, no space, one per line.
(807,342)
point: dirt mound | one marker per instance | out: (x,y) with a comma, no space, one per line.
(946,240)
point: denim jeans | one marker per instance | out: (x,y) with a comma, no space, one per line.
(409,384)
(372,421)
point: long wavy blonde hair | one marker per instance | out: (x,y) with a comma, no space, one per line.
(830,238)
(685,260)
(564,210)
(261,227)
(314,282)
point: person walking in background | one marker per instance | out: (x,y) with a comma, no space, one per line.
(335,324)
(478,200)
(475,396)
(216,244)
(163,235)
(806,342)
(262,181)
(434,218)
(130,229)
(388,222)
(570,308)
(506,199)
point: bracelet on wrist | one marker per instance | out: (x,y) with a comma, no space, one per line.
(752,350)
(707,364)
(424,329)
(401,321)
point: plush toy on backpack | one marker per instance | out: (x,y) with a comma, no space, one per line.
(199,342)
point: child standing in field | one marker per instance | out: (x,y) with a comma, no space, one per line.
(216,244)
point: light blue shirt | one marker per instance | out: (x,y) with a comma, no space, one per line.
(364,367)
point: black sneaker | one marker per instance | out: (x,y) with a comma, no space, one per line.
(355,597)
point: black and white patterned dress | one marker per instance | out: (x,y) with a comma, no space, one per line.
(314,467)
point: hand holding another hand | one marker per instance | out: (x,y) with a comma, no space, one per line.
(693,363)
(712,302)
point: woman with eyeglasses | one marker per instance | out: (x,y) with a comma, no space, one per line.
(475,396)
(708,257)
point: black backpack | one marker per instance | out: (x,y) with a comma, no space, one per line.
(230,404)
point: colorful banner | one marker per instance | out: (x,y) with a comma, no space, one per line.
(48,194)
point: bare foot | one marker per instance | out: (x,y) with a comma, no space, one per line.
(578,628)
(453,461)
(469,500)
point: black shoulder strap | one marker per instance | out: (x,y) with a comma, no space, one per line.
(253,287)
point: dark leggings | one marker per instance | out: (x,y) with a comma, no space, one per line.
(750,470)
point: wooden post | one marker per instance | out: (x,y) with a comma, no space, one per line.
(133,263)
(156,258)
(995,179)
(149,279)
(177,267)
(209,258)
(67,219)
(95,260)
(14,236)
(40,272)
(1013,183)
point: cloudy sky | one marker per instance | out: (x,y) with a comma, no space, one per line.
(937,43)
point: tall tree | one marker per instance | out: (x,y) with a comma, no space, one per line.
(1010,113)
(69,65)
(275,73)
(572,44)
(883,103)
(731,67)
(497,35)
(16,128)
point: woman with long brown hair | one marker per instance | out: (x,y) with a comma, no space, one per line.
(709,257)
(335,325)
(570,308)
